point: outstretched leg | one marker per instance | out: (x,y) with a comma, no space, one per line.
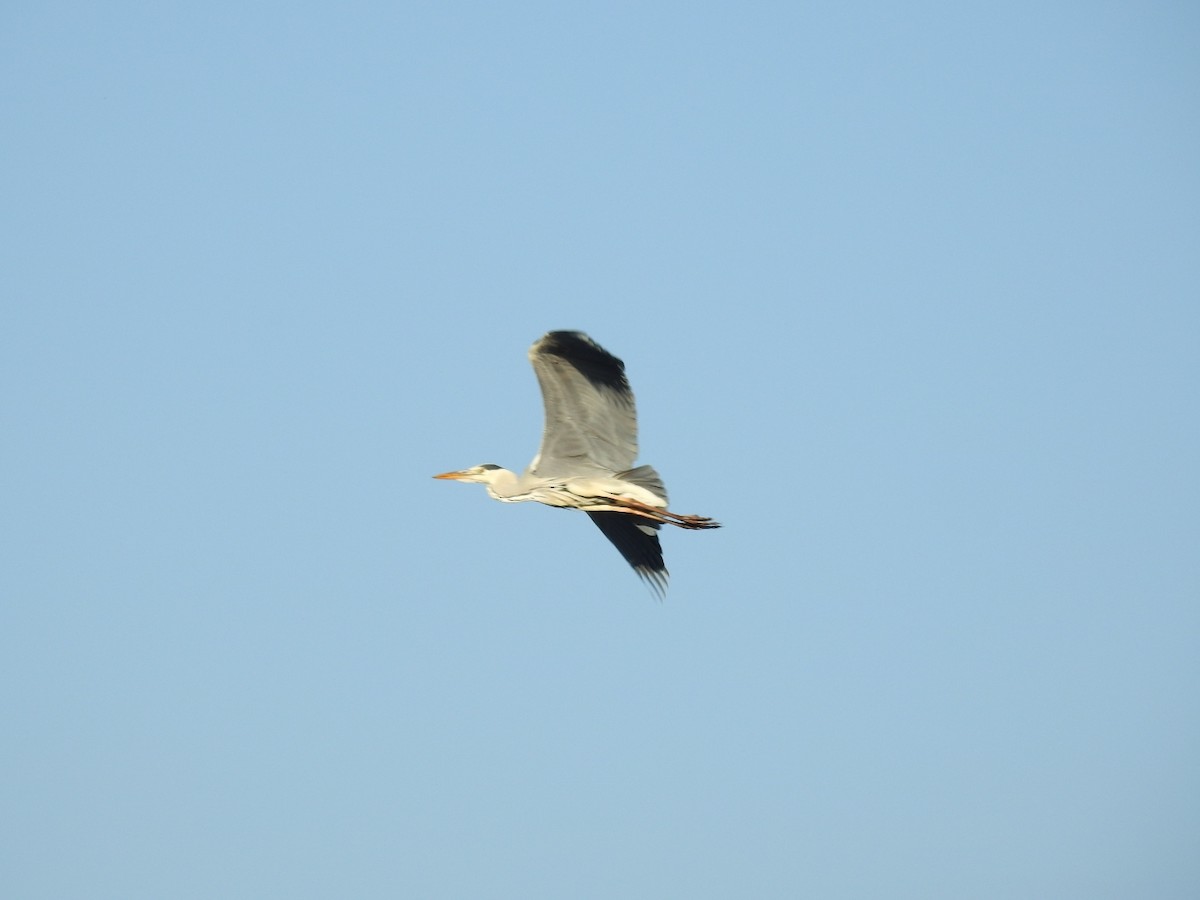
(666,517)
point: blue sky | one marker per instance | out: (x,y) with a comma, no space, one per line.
(909,298)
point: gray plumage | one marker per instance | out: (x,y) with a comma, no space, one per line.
(586,458)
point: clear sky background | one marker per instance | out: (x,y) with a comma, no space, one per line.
(910,298)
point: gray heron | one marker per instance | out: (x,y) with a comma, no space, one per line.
(586,460)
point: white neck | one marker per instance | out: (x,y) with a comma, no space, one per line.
(502,484)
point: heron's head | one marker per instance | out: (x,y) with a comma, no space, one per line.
(476,474)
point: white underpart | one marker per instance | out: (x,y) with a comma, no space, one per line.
(591,493)
(613,487)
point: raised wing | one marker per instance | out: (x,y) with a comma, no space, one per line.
(637,539)
(591,421)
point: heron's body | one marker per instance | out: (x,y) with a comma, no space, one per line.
(586,459)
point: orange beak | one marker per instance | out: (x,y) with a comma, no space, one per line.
(449,476)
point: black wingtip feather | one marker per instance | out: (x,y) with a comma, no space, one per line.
(641,550)
(595,363)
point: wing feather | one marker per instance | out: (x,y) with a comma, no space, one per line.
(637,540)
(591,419)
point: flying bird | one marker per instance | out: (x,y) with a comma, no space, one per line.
(586,460)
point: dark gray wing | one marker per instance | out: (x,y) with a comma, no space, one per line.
(591,421)
(637,539)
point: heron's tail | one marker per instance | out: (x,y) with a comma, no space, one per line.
(646,477)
